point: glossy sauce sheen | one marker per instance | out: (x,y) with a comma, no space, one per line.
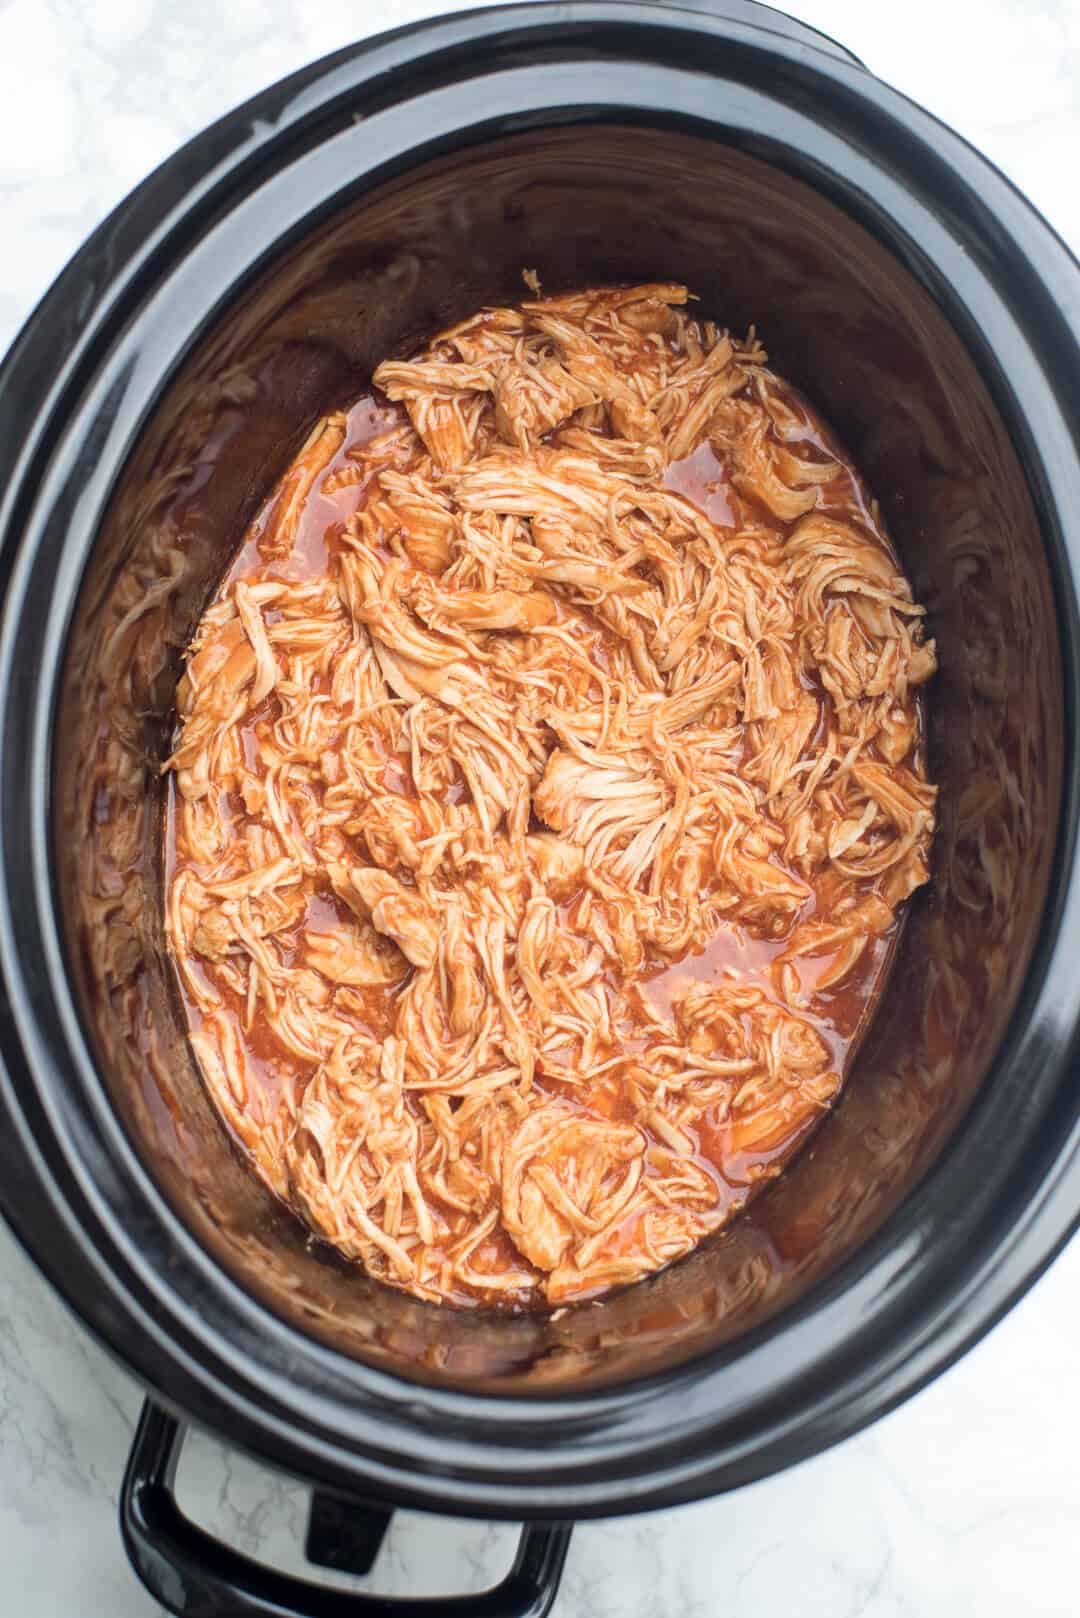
(842,1015)
(735,954)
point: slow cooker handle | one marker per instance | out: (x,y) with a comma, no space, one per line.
(194,1575)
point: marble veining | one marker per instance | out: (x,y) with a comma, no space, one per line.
(963,1501)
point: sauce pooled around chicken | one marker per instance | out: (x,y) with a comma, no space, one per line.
(548,781)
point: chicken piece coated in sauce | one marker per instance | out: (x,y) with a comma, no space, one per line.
(545,848)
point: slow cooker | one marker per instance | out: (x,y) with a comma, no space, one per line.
(146,409)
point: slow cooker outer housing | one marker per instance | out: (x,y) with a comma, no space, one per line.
(935,318)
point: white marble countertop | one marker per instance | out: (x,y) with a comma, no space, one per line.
(965,1500)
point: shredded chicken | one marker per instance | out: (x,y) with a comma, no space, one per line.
(552,837)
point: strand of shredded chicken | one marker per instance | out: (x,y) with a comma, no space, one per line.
(527,727)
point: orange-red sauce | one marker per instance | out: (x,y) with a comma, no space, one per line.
(736,954)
